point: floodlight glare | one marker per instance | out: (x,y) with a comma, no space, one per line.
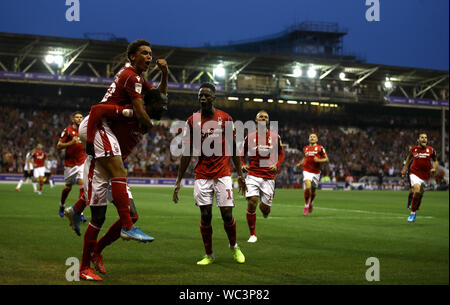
(59,60)
(297,72)
(49,58)
(312,73)
(219,71)
(342,76)
(388,84)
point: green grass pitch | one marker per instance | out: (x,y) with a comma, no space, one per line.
(330,246)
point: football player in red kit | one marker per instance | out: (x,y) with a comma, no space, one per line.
(74,159)
(212,171)
(265,155)
(39,158)
(315,155)
(421,156)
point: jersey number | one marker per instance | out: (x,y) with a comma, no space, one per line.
(109,92)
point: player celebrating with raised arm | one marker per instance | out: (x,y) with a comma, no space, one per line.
(212,171)
(74,159)
(315,155)
(420,170)
(261,170)
(101,142)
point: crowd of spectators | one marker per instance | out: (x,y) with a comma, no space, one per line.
(353,151)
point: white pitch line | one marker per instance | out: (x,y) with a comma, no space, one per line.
(358,211)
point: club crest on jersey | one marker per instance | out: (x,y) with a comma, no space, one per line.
(219,121)
(138,88)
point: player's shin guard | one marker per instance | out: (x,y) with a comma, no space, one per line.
(416,200)
(206,231)
(90,241)
(251,221)
(65,192)
(230,228)
(121,201)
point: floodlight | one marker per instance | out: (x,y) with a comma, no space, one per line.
(49,58)
(312,73)
(297,72)
(219,70)
(342,76)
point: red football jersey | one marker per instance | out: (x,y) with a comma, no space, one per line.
(38,158)
(263,155)
(310,152)
(126,86)
(214,166)
(128,133)
(74,153)
(421,164)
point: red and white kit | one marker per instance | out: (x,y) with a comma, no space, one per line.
(75,156)
(419,171)
(212,173)
(38,158)
(260,180)
(311,169)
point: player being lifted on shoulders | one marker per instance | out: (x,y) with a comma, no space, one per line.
(265,154)
(420,171)
(315,155)
(212,171)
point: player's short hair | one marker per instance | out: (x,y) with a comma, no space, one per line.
(75,113)
(261,112)
(134,46)
(209,86)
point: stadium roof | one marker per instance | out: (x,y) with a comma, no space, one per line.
(26,53)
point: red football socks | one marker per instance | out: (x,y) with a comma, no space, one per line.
(230,228)
(206,230)
(112,234)
(90,240)
(121,201)
(65,192)
(251,221)
(307,194)
(416,200)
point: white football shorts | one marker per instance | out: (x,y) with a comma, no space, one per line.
(311,177)
(105,142)
(97,188)
(222,188)
(260,187)
(413,179)
(73,173)
(39,172)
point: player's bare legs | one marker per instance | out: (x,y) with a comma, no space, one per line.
(252,203)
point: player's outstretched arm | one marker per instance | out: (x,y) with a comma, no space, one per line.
(162,65)
(184,163)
